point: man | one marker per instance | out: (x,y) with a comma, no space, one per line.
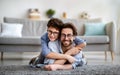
(54,26)
(68,34)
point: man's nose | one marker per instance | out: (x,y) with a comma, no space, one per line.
(66,37)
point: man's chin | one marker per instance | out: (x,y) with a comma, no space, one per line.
(66,44)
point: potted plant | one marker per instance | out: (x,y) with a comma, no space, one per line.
(50,12)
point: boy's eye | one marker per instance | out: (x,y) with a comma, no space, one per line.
(51,32)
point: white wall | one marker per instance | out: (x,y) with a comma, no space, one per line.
(96,8)
(105,9)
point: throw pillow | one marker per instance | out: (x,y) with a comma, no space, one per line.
(11,30)
(94,29)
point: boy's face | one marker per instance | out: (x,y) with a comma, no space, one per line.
(53,33)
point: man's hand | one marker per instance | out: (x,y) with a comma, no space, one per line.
(70,59)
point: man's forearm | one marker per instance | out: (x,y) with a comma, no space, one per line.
(53,55)
(81,46)
(75,50)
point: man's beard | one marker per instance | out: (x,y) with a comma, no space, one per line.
(66,43)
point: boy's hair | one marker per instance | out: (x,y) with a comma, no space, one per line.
(56,23)
(71,26)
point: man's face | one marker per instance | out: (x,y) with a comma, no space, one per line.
(53,33)
(67,37)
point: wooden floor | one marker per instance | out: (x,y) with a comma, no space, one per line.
(97,58)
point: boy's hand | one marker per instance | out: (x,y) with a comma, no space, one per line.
(73,51)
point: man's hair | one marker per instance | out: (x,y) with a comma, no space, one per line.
(71,26)
(56,23)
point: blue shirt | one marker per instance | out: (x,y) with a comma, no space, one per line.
(45,40)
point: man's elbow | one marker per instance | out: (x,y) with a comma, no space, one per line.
(83,45)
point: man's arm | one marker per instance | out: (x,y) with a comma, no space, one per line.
(80,44)
(75,50)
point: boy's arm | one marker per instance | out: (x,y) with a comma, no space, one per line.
(46,51)
(44,45)
(59,56)
(69,58)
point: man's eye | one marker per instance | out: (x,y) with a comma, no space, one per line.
(69,35)
(63,35)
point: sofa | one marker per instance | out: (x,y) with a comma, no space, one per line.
(32,30)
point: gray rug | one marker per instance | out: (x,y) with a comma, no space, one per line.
(85,70)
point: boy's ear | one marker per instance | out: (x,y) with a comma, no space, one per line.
(73,37)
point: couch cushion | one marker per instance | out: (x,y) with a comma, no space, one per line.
(20,41)
(95,39)
(94,29)
(11,30)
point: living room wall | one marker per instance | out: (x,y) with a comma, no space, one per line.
(95,8)
(105,9)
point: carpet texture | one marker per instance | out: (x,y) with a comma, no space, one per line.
(84,70)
